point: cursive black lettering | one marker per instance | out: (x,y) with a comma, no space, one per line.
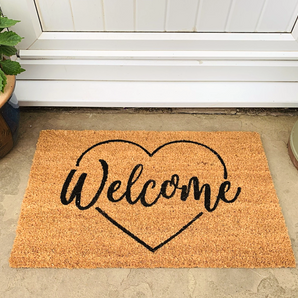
(173,182)
(113,188)
(223,191)
(131,181)
(142,195)
(221,196)
(76,193)
(167,190)
(185,190)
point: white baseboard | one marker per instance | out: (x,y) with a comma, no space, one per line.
(156,94)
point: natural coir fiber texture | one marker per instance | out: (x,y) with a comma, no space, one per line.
(150,199)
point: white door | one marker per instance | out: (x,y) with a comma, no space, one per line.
(167,15)
(157,52)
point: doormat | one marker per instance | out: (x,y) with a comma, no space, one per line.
(141,199)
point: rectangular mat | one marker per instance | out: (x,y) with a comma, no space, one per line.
(150,199)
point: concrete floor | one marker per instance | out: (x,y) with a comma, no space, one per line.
(14,172)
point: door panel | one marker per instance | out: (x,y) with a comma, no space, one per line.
(55,15)
(181,16)
(89,16)
(284,14)
(212,15)
(150,15)
(168,15)
(244,15)
(119,15)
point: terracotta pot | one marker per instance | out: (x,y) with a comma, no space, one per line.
(9,117)
(293,145)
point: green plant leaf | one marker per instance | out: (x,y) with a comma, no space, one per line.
(3,80)
(11,67)
(8,50)
(9,38)
(6,22)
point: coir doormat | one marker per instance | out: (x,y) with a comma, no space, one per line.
(150,199)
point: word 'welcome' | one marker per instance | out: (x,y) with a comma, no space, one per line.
(167,189)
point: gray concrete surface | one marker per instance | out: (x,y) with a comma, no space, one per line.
(196,282)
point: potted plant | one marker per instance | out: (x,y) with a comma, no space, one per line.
(9,108)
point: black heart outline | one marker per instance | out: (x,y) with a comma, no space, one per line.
(103,213)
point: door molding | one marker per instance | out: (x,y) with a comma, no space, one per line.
(111,41)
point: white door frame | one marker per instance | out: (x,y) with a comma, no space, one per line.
(153,69)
